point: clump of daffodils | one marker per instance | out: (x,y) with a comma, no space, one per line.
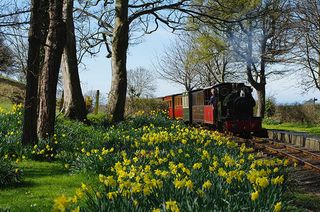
(178,168)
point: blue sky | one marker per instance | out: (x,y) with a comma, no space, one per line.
(98,73)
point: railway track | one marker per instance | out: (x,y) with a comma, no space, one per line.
(305,175)
(300,156)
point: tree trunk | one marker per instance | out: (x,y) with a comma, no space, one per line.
(261,102)
(49,77)
(29,134)
(117,95)
(261,85)
(74,105)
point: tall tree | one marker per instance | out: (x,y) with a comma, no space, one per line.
(263,40)
(117,95)
(74,105)
(29,135)
(308,13)
(55,43)
(176,64)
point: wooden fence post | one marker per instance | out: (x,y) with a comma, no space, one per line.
(96,105)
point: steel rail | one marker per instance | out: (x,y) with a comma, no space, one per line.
(300,150)
(280,151)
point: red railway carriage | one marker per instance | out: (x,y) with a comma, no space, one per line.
(178,109)
(208,109)
(168,101)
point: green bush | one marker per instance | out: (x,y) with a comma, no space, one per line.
(271,121)
(72,136)
(8,173)
(100,148)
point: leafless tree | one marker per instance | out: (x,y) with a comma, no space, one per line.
(176,64)
(308,14)
(10,15)
(19,47)
(6,60)
(14,19)
(141,83)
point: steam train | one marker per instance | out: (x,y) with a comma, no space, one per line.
(231,110)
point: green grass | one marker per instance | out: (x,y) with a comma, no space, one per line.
(312,129)
(43,182)
(305,201)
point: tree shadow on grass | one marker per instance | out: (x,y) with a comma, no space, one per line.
(43,172)
(33,172)
(21,184)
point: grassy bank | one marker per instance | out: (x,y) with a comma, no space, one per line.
(298,127)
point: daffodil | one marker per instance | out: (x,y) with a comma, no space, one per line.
(254,195)
(206,185)
(60,203)
(262,182)
(197,166)
(278,180)
(111,195)
(172,206)
(277,207)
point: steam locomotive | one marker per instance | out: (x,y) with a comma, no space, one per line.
(231,110)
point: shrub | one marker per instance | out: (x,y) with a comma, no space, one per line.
(307,114)
(271,121)
(270,107)
(135,105)
(8,173)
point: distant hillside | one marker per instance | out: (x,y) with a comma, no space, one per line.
(11,91)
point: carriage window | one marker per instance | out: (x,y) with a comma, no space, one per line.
(207,95)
